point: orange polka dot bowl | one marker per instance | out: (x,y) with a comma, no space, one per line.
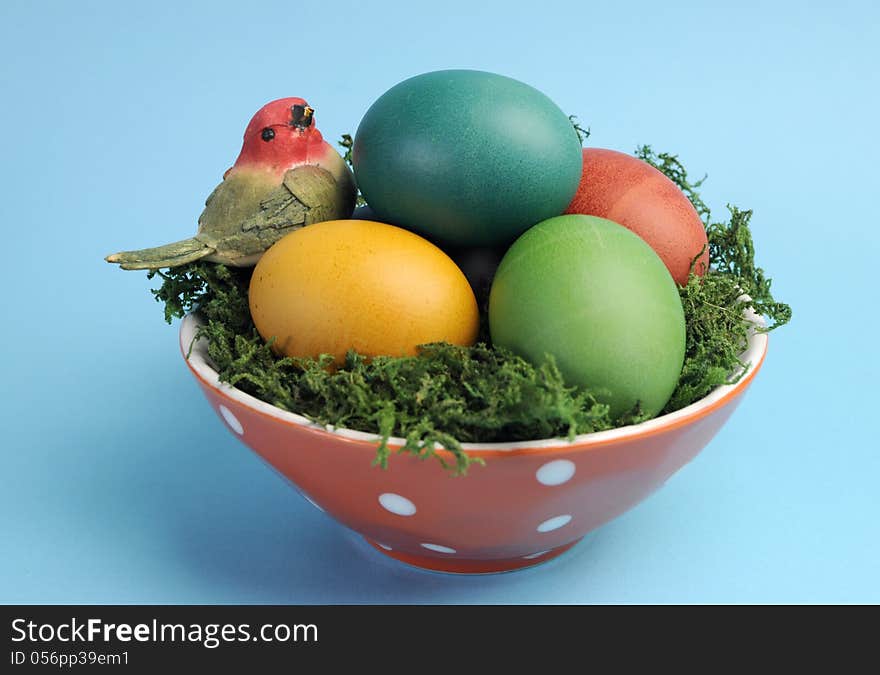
(529,503)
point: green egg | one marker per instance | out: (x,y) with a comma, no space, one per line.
(600,300)
(466,157)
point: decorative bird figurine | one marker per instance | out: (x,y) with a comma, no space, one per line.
(286,176)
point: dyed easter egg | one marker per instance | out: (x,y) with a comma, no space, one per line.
(361,285)
(598,299)
(466,157)
(631,192)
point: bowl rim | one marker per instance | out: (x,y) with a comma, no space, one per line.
(195,355)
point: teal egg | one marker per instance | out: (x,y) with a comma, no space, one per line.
(601,301)
(466,157)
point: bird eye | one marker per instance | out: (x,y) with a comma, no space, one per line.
(268,134)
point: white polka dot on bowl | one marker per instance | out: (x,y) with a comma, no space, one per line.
(438,548)
(231,420)
(556,472)
(397,504)
(554,523)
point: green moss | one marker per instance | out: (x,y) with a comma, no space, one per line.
(449,395)
(713,305)
(346,142)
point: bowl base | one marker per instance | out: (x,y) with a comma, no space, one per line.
(466,566)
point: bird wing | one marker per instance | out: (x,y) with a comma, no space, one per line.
(241,227)
(279,209)
(307,194)
(319,191)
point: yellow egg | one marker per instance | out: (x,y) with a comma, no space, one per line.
(357,284)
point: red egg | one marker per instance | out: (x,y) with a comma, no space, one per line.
(633,193)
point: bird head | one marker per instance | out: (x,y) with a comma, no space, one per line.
(281,134)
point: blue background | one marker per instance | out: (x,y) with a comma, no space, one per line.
(117,482)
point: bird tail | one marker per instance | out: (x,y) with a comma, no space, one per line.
(169,255)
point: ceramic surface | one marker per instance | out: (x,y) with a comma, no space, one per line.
(529,503)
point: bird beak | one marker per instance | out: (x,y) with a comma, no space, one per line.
(301,116)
